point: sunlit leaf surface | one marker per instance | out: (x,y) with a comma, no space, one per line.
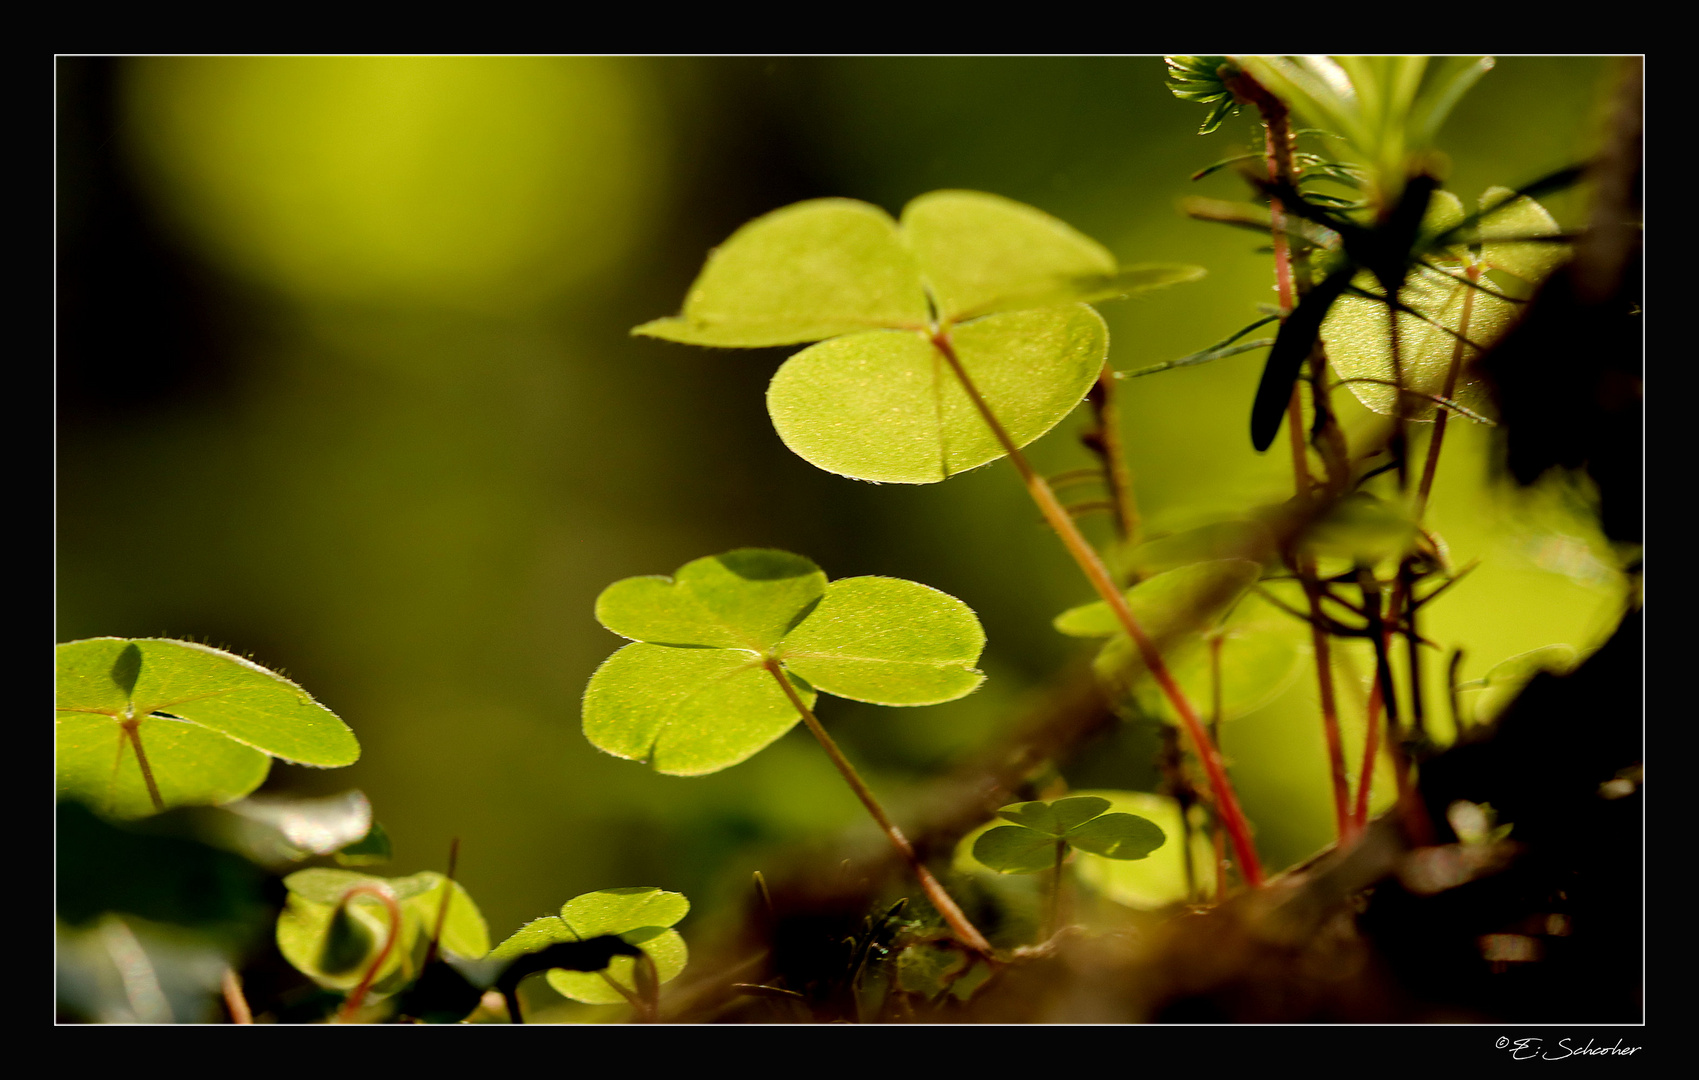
(1031,843)
(642,916)
(998,282)
(695,693)
(315,935)
(1358,335)
(208,722)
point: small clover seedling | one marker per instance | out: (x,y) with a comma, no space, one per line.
(1043,832)
(728,656)
(992,284)
(148,724)
(341,929)
(644,950)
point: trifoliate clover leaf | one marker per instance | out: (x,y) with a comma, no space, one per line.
(332,933)
(1041,831)
(698,690)
(999,283)
(642,917)
(208,723)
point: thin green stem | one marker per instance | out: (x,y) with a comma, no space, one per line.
(947,907)
(1233,818)
(1054,919)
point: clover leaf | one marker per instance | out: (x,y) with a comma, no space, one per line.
(206,722)
(642,916)
(1003,284)
(331,936)
(1356,333)
(1041,829)
(698,690)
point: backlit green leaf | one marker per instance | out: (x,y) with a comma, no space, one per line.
(744,599)
(1029,845)
(642,916)
(686,712)
(1054,818)
(309,931)
(1259,661)
(1011,849)
(191,765)
(806,272)
(1362,528)
(1160,879)
(1358,337)
(875,400)
(1517,218)
(1358,341)
(886,406)
(704,696)
(889,642)
(1489,694)
(982,253)
(1170,604)
(222,716)
(1219,540)
(1117,836)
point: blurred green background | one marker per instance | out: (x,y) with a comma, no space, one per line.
(345,385)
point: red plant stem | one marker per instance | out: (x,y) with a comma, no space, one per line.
(1278,152)
(1424,489)
(947,907)
(1431,466)
(1371,745)
(1329,705)
(1415,821)
(1227,803)
(351,1007)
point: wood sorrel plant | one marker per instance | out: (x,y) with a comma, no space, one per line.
(937,342)
(946,340)
(729,653)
